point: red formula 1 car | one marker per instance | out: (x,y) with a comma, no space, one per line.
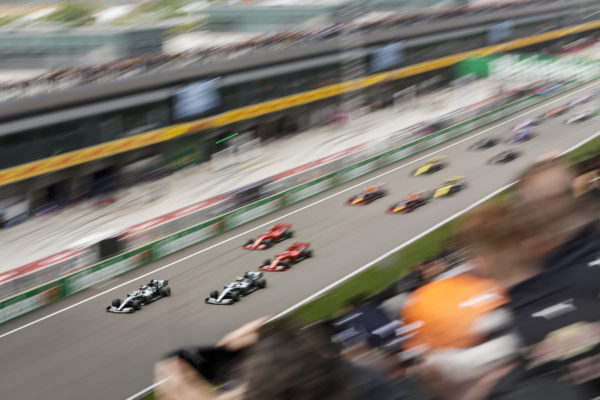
(297,252)
(277,234)
(370,194)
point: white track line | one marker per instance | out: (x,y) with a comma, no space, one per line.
(147,390)
(397,248)
(586,87)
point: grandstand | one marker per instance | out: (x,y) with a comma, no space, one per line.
(380,15)
(52,48)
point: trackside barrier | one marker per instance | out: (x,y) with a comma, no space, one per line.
(76,282)
(75,261)
(107,269)
(45,294)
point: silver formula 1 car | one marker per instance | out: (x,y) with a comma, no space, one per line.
(242,286)
(146,294)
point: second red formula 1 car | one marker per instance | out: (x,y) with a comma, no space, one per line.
(277,234)
(295,253)
(370,194)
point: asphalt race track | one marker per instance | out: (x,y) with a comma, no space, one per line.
(87,353)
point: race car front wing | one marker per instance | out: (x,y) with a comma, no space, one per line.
(126,310)
(212,300)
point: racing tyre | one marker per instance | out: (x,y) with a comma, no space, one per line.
(214,294)
(236,296)
(137,305)
(116,302)
(267,262)
(165,291)
(307,253)
(261,283)
(249,242)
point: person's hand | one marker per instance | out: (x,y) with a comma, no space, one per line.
(181,381)
(243,337)
(583,183)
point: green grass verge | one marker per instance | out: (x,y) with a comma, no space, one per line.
(150,396)
(584,152)
(376,278)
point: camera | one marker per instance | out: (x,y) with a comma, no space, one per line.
(216,364)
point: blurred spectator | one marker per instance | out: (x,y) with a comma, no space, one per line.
(561,228)
(587,182)
(282,363)
(443,265)
(425,272)
(461,338)
(544,251)
(420,275)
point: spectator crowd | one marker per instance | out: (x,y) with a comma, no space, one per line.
(510,311)
(69,76)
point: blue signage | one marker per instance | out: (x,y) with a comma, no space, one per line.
(196,98)
(500,32)
(387,56)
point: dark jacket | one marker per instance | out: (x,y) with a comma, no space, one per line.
(558,312)
(517,385)
(369,385)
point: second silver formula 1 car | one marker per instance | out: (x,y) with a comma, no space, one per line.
(242,286)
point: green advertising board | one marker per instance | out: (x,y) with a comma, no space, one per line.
(527,67)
